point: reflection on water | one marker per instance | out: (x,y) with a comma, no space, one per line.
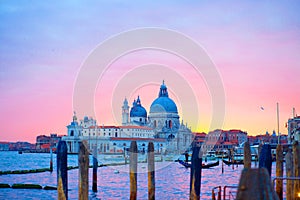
(172,179)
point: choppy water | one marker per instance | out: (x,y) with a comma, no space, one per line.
(171,179)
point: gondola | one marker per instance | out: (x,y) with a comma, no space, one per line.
(204,166)
(235,162)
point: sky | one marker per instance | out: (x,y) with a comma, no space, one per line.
(254,47)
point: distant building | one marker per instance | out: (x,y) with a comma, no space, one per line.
(293,126)
(17,146)
(199,138)
(4,146)
(267,138)
(44,142)
(225,139)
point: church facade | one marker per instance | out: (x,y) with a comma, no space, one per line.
(162,127)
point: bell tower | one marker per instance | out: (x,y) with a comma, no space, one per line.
(125,112)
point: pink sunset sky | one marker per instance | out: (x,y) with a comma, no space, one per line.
(255,48)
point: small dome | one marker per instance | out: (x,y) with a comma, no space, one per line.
(137,109)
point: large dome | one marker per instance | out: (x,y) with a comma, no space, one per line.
(137,109)
(163,104)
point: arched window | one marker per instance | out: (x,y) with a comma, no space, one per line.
(72,133)
(170,123)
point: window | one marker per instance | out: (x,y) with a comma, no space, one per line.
(72,133)
(170,124)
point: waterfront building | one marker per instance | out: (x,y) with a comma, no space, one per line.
(293,126)
(17,146)
(162,127)
(199,138)
(4,146)
(225,139)
(44,142)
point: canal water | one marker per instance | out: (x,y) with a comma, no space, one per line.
(172,179)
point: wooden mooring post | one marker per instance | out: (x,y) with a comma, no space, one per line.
(255,184)
(259,150)
(296,166)
(51,160)
(289,173)
(151,172)
(95,167)
(247,155)
(62,172)
(133,170)
(83,172)
(279,171)
(196,169)
(265,158)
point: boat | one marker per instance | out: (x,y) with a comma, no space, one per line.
(210,155)
(204,166)
(235,162)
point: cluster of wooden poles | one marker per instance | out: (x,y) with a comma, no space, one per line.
(256,183)
(83,162)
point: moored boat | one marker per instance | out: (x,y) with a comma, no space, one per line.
(235,162)
(204,166)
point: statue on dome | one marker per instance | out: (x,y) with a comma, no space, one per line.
(74,117)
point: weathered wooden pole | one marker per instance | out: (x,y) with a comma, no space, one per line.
(265,158)
(255,184)
(296,157)
(95,167)
(232,159)
(151,172)
(289,173)
(256,159)
(51,160)
(279,171)
(247,155)
(222,163)
(133,170)
(62,171)
(83,175)
(259,150)
(195,180)
(213,196)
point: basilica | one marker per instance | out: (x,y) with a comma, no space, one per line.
(161,126)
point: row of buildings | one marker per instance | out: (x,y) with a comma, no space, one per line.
(42,145)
